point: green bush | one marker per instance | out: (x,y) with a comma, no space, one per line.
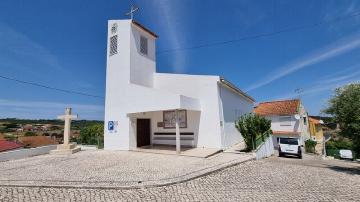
(29,133)
(253,128)
(339,144)
(92,135)
(9,137)
(310,146)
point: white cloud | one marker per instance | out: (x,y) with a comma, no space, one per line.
(26,49)
(47,110)
(329,82)
(167,12)
(328,52)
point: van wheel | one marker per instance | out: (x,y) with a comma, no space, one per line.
(280,154)
(300,156)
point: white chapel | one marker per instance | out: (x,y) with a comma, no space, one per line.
(144,107)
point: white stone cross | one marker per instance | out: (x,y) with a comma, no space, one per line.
(67,117)
(132,11)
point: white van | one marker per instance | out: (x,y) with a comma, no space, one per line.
(290,146)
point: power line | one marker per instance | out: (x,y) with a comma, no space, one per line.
(291,29)
(49,87)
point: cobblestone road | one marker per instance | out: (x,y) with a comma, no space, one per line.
(273,179)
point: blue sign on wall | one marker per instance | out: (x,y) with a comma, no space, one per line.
(111,125)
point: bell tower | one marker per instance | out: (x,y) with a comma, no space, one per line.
(131,65)
(131,52)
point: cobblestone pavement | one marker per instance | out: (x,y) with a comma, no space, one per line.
(273,179)
(110,169)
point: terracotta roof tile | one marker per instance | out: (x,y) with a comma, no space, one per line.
(8,145)
(315,121)
(144,28)
(283,107)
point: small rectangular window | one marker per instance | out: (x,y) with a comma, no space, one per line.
(285,120)
(113,45)
(143,45)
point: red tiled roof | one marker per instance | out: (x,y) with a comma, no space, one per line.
(36,141)
(286,133)
(144,28)
(8,145)
(283,107)
(315,121)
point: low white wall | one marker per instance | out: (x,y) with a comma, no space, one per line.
(266,149)
(24,153)
(87,147)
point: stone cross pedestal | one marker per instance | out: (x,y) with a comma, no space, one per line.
(66,147)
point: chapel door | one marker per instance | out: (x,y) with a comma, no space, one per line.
(143,132)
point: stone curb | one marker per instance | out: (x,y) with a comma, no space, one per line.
(134,185)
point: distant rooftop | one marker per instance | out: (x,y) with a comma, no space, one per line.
(281,107)
(8,145)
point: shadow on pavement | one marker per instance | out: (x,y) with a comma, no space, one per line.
(349,170)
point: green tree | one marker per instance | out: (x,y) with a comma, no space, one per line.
(252,127)
(344,106)
(30,133)
(92,134)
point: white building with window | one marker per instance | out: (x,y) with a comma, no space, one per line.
(143,107)
(288,119)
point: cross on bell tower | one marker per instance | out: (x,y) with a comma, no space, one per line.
(133,9)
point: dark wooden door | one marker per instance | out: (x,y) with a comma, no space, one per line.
(143,132)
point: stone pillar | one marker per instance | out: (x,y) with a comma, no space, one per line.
(67,126)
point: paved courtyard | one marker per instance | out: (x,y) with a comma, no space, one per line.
(110,169)
(273,179)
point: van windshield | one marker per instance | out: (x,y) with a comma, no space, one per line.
(291,141)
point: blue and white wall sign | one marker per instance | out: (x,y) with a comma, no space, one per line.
(112,126)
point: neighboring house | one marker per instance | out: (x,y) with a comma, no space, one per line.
(46,127)
(143,107)
(27,127)
(316,133)
(9,145)
(288,119)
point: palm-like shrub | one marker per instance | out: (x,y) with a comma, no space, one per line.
(253,127)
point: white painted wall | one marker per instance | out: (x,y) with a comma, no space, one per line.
(266,149)
(126,93)
(233,106)
(203,88)
(276,124)
(142,66)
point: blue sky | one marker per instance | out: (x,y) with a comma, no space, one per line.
(63,44)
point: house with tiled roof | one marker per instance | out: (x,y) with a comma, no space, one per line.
(288,118)
(317,134)
(9,145)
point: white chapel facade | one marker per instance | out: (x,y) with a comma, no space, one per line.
(143,107)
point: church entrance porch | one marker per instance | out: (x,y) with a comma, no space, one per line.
(173,130)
